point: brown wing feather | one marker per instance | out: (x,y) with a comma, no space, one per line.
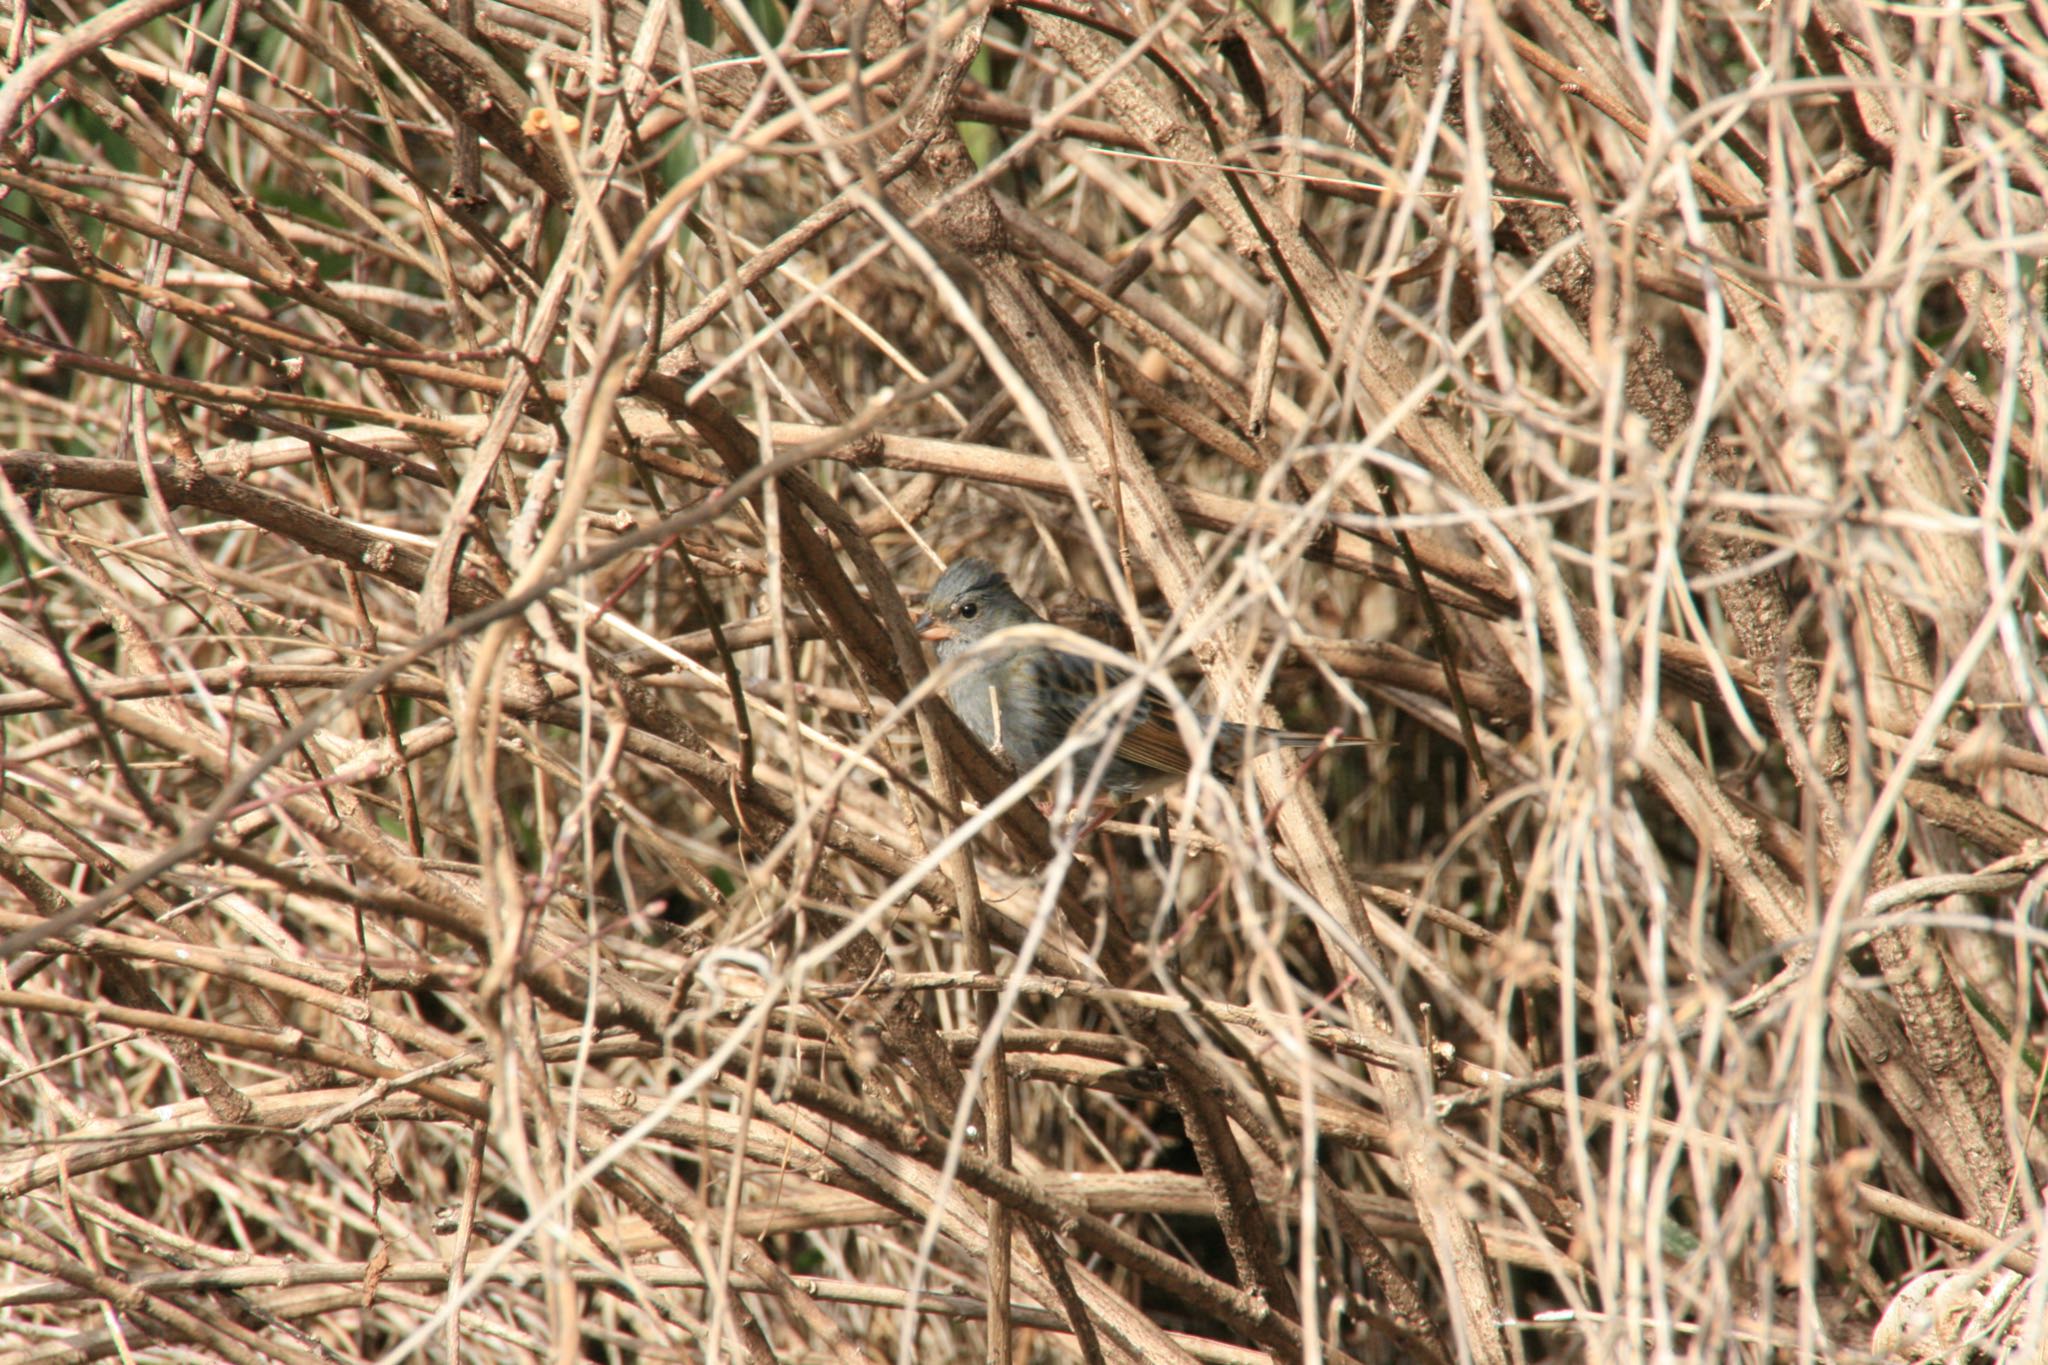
(1070,685)
(1154,740)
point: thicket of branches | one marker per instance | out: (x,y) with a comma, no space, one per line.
(485,871)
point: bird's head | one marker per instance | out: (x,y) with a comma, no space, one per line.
(971,600)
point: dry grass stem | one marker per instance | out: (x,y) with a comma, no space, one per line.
(487,870)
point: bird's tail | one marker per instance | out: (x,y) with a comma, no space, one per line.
(1336,739)
(1267,740)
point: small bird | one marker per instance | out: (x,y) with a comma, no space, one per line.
(1026,699)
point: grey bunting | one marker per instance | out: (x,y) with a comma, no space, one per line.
(1025,699)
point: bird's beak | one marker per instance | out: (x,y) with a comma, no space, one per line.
(930,629)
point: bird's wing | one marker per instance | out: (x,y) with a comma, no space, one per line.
(1152,739)
(1070,685)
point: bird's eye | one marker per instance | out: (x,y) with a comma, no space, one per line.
(967,610)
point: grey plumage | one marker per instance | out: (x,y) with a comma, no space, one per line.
(1025,697)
